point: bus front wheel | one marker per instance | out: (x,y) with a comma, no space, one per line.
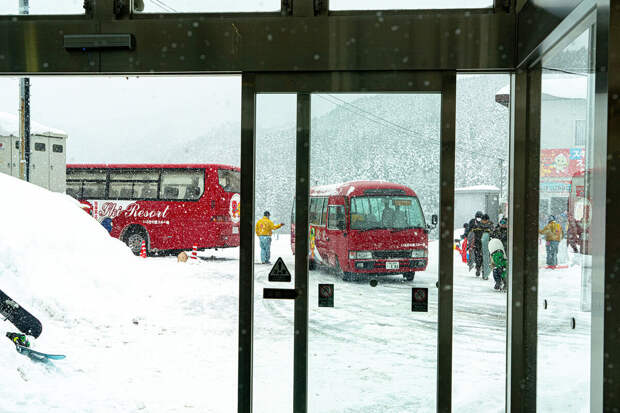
(409,276)
(346,276)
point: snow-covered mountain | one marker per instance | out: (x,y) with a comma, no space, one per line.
(393,137)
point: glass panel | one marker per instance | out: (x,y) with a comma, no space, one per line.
(42,7)
(202,6)
(40,147)
(134,175)
(407,4)
(74,189)
(92,174)
(150,334)
(182,184)
(121,190)
(275,191)
(57,148)
(229,180)
(370,352)
(565,260)
(94,190)
(481,177)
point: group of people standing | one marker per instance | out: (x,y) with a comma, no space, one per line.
(482,236)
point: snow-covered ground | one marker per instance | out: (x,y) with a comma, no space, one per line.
(155,335)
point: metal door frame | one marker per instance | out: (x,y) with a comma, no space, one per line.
(303,84)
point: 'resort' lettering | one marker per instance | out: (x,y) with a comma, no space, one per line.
(133,210)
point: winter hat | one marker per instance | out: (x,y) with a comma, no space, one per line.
(496,245)
(551,218)
(479,214)
(486,217)
(503,221)
(266,213)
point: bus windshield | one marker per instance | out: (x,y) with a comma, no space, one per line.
(229,180)
(386,212)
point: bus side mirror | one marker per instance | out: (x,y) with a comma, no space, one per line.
(434,220)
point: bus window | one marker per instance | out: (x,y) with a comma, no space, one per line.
(324,213)
(145,190)
(316,210)
(186,185)
(336,217)
(229,180)
(92,174)
(93,190)
(134,175)
(121,190)
(386,212)
(74,189)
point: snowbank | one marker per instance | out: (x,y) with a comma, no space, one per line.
(54,254)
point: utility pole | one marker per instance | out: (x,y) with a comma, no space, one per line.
(24,114)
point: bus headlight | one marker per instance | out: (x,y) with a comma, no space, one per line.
(418,254)
(360,255)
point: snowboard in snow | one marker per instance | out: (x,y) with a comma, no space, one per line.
(16,314)
(37,355)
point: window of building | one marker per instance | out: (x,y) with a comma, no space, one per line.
(580,132)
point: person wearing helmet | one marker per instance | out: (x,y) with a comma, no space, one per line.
(498,263)
(264,229)
(479,225)
(501,232)
(553,235)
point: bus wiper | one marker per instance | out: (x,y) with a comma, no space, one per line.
(371,228)
(404,228)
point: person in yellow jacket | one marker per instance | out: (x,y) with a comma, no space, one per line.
(264,229)
(553,235)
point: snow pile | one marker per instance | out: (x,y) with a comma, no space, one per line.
(50,249)
(114,315)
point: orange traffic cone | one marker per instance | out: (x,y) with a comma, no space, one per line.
(194,253)
(143,250)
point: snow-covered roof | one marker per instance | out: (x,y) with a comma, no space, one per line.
(478,188)
(574,87)
(349,187)
(9,125)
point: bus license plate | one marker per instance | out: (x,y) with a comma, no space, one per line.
(391,265)
(235,230)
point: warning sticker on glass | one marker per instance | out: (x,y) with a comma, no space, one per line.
(326,295)
(419,299)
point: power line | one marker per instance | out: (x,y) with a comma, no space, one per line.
(384,122)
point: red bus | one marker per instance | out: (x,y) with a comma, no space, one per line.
(367,228)
(169,207)
(579,213)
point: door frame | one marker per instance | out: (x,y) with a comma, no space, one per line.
(303,84)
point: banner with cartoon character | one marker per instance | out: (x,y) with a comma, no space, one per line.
(561,163)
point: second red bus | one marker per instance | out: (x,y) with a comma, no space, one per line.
(367,228)
(167,206)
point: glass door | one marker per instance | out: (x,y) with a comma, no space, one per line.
(367,325)
(374,190)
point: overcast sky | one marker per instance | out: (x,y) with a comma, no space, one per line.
(106,117)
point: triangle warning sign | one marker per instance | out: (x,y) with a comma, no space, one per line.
(279,272)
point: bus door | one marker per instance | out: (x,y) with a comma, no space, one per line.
(336,233)
(317,217)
